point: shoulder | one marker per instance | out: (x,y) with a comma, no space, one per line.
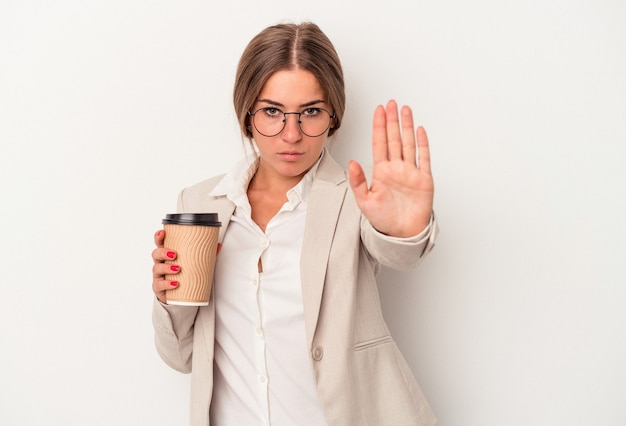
(197,196)
(205,186)
(329,171)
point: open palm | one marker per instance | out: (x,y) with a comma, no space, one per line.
(399,200)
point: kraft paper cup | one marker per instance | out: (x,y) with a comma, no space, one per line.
(194,238)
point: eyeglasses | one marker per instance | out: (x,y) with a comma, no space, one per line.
(270,121)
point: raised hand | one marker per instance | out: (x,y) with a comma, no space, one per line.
(399,200)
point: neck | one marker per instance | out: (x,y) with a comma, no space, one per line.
(272,184)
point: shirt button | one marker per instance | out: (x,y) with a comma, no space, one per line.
(259,331)
(262,379)
(265,244)
(318,353)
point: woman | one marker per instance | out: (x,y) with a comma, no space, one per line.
(294,334)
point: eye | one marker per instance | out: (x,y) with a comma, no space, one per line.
(311,112)
(272,112)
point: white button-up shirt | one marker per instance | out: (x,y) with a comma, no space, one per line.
(262,371)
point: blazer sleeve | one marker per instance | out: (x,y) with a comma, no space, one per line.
(173,334)
(399,253)
(174,325)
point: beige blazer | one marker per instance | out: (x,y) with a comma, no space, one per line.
(362,379)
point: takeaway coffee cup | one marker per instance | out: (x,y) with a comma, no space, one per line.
(194,238)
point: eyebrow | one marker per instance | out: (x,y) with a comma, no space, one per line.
(278,104)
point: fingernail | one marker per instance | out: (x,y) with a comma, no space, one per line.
(174,283)
(171,254)
(158,233)
(175,268)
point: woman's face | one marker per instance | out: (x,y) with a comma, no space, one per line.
(290,153)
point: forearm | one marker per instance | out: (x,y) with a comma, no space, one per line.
(173,328)
(399,253)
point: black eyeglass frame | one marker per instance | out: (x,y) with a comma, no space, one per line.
(299,114)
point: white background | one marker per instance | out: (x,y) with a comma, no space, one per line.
(109,108)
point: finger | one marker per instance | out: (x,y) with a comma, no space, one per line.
(408,137)
(164,285)
(159,270)
(159,238)
(358,182)
(163,254)
(423,149)
(394,139)
(379,135)
(160,287)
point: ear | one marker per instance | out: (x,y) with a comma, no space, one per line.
(248,125)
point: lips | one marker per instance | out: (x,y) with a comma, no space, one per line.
(290,155)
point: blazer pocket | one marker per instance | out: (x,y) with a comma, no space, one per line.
(372,343)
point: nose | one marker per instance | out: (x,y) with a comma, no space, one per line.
(291,132)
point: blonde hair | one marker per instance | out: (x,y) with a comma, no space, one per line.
(285,47)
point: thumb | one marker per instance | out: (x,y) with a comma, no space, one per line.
(358,182)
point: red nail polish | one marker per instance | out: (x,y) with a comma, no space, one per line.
(174,283)
(175,268)
(171,254)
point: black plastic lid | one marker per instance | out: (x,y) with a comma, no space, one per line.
(203,219)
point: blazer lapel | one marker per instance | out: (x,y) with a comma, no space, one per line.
(325,203)
(224,209)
